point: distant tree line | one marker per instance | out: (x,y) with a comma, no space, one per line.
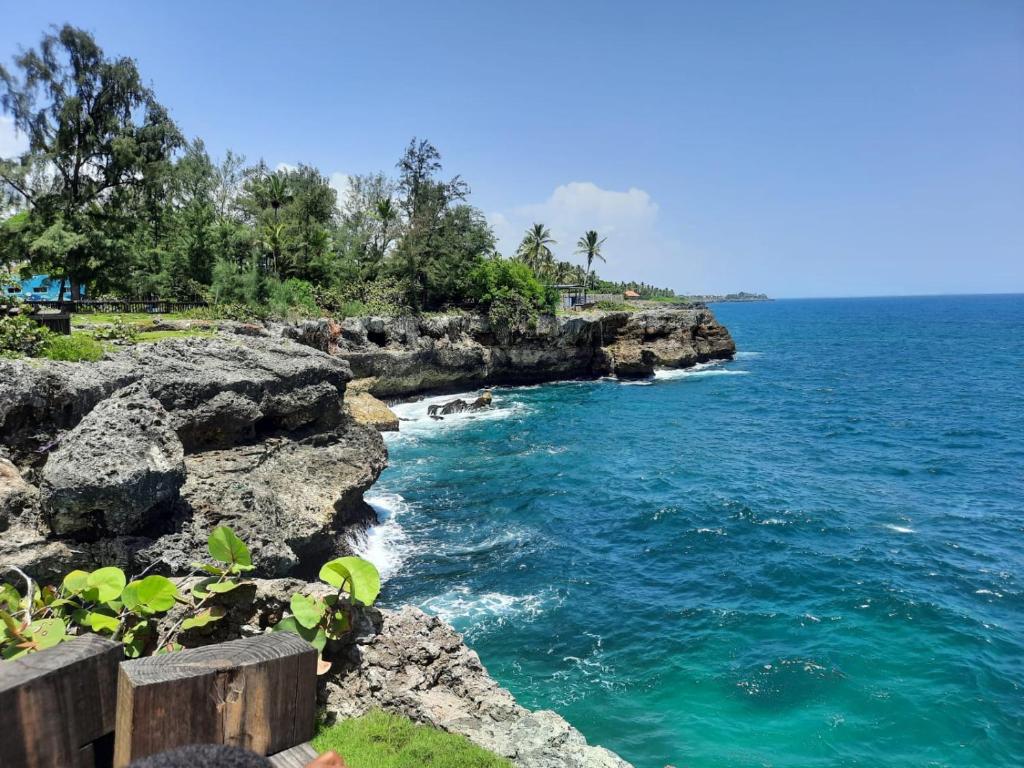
(110,194)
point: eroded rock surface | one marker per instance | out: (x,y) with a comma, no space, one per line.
(367,409)
(114,469)
(416,665)
(410,355)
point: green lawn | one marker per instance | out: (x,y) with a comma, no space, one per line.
(380,740)
(135,318)
(161,335)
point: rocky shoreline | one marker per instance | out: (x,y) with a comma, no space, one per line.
(132,460)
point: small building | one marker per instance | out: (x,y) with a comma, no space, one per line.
(630,295)
(41,288)
(569,295)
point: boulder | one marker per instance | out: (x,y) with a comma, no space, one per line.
(367,409)
(115,468)
(416,665)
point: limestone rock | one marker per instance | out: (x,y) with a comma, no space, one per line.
(112,470)
(367,409)
(17,497)
(416,665)
(294,502)
(218,391)
(408,355)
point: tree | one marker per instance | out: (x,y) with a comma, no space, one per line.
(590,246)
(96,136)
(387,214)
(534,250)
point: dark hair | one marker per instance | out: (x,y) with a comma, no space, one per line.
(203,756)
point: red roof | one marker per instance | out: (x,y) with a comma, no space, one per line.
(631,295)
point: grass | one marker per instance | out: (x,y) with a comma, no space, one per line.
(135,318)
(381,740)
(73,348)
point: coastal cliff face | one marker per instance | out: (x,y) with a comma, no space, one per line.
(400,357)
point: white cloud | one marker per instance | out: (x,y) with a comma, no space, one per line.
(339,181)
(636,248)
(11,141)
(285,167)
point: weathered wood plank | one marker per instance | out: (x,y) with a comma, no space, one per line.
(297,757)
(55,703)
(258,693)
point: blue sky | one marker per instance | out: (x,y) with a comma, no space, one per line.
(798,148)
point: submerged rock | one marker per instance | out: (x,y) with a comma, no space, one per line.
(114,469)
(460,406)
(416,665)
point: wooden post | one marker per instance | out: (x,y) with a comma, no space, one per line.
(55,704)
(258,693)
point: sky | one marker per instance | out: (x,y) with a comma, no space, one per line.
(795,147)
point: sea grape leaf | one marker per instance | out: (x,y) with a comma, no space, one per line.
(226,547)
(76,581)
(204,617)
(307,610)
(96,621)
(47,633)
(213,570)
(315,637)
(153,594)
(10,598)
(360,577)
(105,584)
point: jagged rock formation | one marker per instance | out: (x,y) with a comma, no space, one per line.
(410,355)
(407,662)
(135,458)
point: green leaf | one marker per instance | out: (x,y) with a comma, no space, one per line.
(76,581)
(315,637)
(153,594)
(337,626)
(213,570)
(203,618)
(307,610)
(98,622)
(219,587)
(105,584)
(10,598)
(359,577)
(226,547)
(47,633)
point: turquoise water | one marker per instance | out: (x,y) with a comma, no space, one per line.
(810,556)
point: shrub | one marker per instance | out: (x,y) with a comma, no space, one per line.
(21,335)
(74,348)
(119,330)
(510,293)
(292,298)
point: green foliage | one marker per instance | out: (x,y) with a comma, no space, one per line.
(318,620)
(381,740)
(510,292)
(104,601)
(292,298)
(74,348)
(21,335)
(119,330)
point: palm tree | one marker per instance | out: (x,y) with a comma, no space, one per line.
(590,246)
(276,192)
(534,251)
(386,214)
(269,240)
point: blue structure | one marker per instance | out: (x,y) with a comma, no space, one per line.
(41,288)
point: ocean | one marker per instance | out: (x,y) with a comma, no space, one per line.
(812,555)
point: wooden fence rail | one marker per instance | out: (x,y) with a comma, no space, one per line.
(78,705)
(148,306)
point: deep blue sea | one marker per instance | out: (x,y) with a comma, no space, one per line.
(812,555)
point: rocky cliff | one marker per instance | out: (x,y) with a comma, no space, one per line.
(133,460)
(404,356)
